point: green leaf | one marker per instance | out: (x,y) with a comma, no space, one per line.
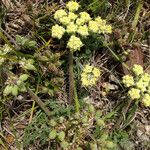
(93,146)
(61,119)
(64,144)
(91,108)
(32,44)
(110,144)
(30,67)
(52,123)
(51,92)
(7,90)
(85,119)
(104,136)
(19,39)
(22,88)
(100,122)
(53,134)
(30,61)
(19,82)
(61,136)
(15,90)
(23,77)
(25,42)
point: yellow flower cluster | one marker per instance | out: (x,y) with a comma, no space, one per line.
(137,69)
(72,16)
(80,21)
(128,80)
(146,100)
(90,75)
(59,14)
(57,31)
(83,30)
(72,28)
(93,26)
(72,6)
(74,43)
(65,20)
(85,16)
(77,24)
(103,27)
(134,93)
(139,84)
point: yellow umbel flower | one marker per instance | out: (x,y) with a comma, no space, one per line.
(141,85)
(65,20)
(146,100)
(90,75)
(57,31)
(80,21)
(108,29)
(137,69)
(77,25)
(96,72)
(128,80)
(83,30)
(134,93)
(85,16)
(72,16)
(145,77)
(100,21)
(59,14)
(71,28)
(74,43)
(72,6)
(103,28)
(93,26)
(88,68)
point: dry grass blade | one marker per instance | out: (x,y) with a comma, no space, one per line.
(8,4)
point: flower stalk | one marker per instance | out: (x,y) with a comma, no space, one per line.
(71,77)
(72,88)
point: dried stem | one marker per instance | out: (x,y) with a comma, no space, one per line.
(39,102)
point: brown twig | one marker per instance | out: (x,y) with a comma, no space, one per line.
(39,102)
(10,38)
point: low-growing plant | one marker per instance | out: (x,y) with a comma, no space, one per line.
(76,131)
(77,26)
(14,85)
(138,85)
(122,139)
(34,67)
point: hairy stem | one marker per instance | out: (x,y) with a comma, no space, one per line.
(71,77)
(72,88)
(77,105)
